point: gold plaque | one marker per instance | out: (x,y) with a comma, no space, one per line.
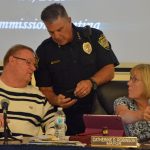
(87,48)
(115,142)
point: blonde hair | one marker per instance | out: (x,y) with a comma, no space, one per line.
(144,70)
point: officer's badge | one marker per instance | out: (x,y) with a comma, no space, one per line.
(87,48)
(103,42)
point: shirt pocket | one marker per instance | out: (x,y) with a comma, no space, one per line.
(88,63)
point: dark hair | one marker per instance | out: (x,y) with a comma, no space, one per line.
(13,50)
(52,12)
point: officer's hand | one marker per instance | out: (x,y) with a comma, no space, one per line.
(65,102)
(83,88)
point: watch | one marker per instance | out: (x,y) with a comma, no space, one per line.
(94,84)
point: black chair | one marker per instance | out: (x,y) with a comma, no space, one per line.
(106,94)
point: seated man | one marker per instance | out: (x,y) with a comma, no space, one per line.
(29,113)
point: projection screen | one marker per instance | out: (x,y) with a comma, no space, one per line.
(125,23)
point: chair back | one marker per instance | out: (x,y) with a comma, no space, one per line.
(107,93)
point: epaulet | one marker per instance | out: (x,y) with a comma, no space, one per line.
(87,32)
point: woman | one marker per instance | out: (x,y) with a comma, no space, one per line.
(135,110)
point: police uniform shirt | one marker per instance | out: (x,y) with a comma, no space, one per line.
(64,66)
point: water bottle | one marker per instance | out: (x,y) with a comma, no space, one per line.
(60,125)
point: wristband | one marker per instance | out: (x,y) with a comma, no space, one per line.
(94,84)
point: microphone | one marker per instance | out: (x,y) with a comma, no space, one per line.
(4,105)
(7,131)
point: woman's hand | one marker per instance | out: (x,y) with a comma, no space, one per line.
(1,121)
(147,113)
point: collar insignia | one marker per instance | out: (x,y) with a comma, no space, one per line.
(87,48)
(78,35)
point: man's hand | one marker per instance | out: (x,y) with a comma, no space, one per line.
(65,102)
(1,121)
(57,100)
(83,88)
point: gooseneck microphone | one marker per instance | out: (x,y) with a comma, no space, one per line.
(7,131)
(4,105)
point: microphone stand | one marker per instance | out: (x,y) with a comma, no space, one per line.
(7,132)
(5,127)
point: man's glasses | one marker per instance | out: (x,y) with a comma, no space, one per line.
(29,62)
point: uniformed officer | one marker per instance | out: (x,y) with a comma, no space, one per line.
(72,63)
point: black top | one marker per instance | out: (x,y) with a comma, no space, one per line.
(64,66)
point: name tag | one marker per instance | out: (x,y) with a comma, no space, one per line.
(114,142)
(55,62)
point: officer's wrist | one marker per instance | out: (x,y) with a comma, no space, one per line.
(94,84)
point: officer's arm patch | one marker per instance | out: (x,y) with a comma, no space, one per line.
(103,42)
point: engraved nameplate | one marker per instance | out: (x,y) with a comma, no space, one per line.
(113,141)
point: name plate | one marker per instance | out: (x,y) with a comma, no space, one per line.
(115,142)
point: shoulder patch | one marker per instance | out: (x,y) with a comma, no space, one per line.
(103,42)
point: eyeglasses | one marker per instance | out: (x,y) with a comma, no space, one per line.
(29,62)
(134,79)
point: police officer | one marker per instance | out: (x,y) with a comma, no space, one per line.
(72,63)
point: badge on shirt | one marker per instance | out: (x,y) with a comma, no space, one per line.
(103,42)
(87,48)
